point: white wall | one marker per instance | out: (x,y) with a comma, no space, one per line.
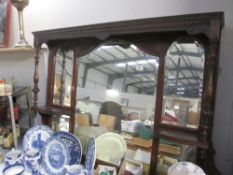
(95,79)
(44,14)
(137,102)
(20,66)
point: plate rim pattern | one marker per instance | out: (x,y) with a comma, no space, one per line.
(29,132)
(56,134)
(43,163)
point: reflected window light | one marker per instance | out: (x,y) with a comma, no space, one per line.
(181,88)
(142,62)
(154,61)
(139,68)
(68,89)
(133,47)
(132,63)
(104,47)
(171,84)
(180,93)
(176,107)
(171,77)
(120,64)
(112,92)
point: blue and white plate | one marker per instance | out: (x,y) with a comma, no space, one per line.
(36,137)
(73,144)
(90,155)
(55,156)
(16,169)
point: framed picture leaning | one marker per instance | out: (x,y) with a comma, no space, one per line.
(4,22)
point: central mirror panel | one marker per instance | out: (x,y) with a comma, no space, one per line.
(183,84)
(116,93)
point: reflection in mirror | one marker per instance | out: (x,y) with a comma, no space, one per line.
(116,92)
(170,152)
(60,123)
(62,81)
(184,66)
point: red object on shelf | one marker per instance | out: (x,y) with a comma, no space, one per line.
(170,118)
(16,111)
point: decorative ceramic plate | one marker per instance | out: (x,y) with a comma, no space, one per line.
(73,144)
(36,137)
(185,168)
(90,155)
(55,156)
(14,157)
(110,147)
(16,169)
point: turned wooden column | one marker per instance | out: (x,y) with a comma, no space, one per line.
(62,80)
(205,157)
(36,89)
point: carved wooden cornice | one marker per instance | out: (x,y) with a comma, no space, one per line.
(192,24)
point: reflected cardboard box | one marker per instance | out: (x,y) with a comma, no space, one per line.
(105,170)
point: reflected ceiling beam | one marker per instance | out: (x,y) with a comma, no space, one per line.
(139,82)
(86,69)
(147,90)
(185,61)
(101,57)
(183,78)
(123,53)
(186,68)
(182,72)
(192,54)
(125,60)
(120,75)
(116,58)
(112,77)
(126,68)
(184,85)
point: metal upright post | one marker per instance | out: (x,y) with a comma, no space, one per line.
(13,121)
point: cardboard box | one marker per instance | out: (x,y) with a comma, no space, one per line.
(82,119)
(108,121)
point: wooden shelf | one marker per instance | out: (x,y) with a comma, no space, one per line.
(12,50)
(16,50)
(53,111)
(182,137)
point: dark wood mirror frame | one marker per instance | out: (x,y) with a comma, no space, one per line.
(153,36)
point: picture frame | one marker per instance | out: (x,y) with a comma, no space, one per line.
(124,101)
(4,23)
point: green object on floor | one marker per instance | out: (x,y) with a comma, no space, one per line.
(145,133)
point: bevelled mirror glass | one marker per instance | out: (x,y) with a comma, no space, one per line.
(63,78)
(183,81)
(116,93)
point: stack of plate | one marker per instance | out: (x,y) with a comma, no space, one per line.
(58,149)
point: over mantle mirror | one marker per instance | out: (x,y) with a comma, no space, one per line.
(183,83)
